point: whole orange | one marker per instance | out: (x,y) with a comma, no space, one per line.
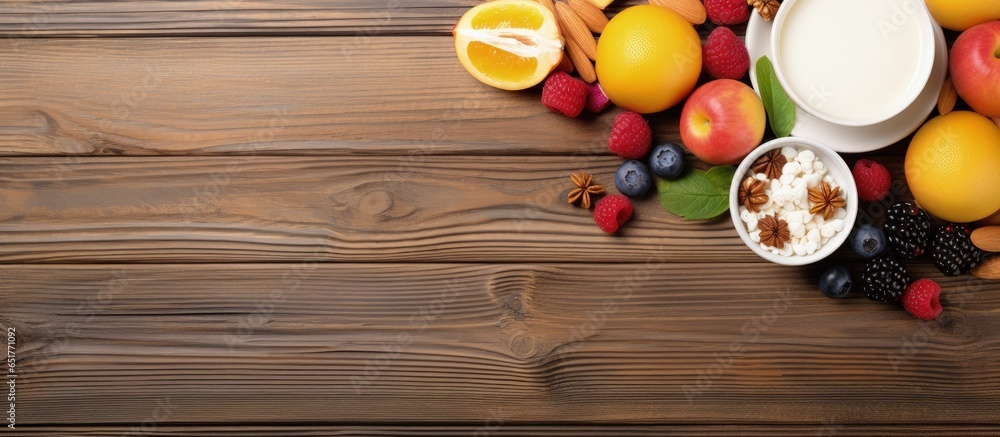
(648,59)
(953,167)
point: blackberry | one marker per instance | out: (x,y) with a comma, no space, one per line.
(885,279)
(908,229)
(953,251)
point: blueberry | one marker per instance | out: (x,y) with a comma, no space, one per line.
(868,241)
(632,179)
(835,282)
(667,160)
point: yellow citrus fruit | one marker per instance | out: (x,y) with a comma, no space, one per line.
(509,44)
(648,59)
(963,14)
(953,167)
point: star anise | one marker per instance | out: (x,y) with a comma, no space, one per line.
(751,194)
(825,200)
(770,164)
(584,189)
(766,8)
(773,232)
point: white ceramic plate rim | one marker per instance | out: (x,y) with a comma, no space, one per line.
(837,168)
(846,139)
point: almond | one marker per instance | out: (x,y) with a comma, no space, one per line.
(574,28)
(948,97)
(987,238)
(691,10)
(989,269)
(591,15)
(548,5)
(580,60)
(565,64)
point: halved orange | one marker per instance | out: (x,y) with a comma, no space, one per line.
(509,44)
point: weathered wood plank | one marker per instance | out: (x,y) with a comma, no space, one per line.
(400,95)
(358,18)
(650,343)
(266,208)
(391,95)
(35,18)
(493,428)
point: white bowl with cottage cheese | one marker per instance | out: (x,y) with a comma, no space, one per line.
(811,236)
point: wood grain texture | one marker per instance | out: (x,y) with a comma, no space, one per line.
(437,344)
(357,18)
(495,429)
(402,95)
(47,18)
(287,209)
(349,323)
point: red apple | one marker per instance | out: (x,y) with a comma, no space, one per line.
(975,68)
(722,122)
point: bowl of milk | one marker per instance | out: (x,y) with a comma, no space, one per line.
(853,62)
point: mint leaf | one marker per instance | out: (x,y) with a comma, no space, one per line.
(780,109)
(698,195)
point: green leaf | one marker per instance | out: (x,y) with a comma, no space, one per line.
(780,109)
(698,195)
(722,176)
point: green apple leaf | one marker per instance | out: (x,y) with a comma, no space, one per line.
(780,109)
(698,195)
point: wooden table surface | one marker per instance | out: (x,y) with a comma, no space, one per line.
(303,217)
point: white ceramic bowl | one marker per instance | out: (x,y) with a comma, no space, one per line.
(853,62)
(836,168)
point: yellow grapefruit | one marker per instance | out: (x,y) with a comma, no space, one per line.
(508,44)
(953,167)
(648,59)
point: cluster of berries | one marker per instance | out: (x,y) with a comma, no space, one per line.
(724,56)
(907,233)
(631,139)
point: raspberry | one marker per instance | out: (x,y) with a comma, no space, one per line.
(884,279)
(727,12)
(612,211)
(908,229)
(872,179)
(922,299)
(630,136)
(564,94)
(724,55)
(597,101)
(953,251)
